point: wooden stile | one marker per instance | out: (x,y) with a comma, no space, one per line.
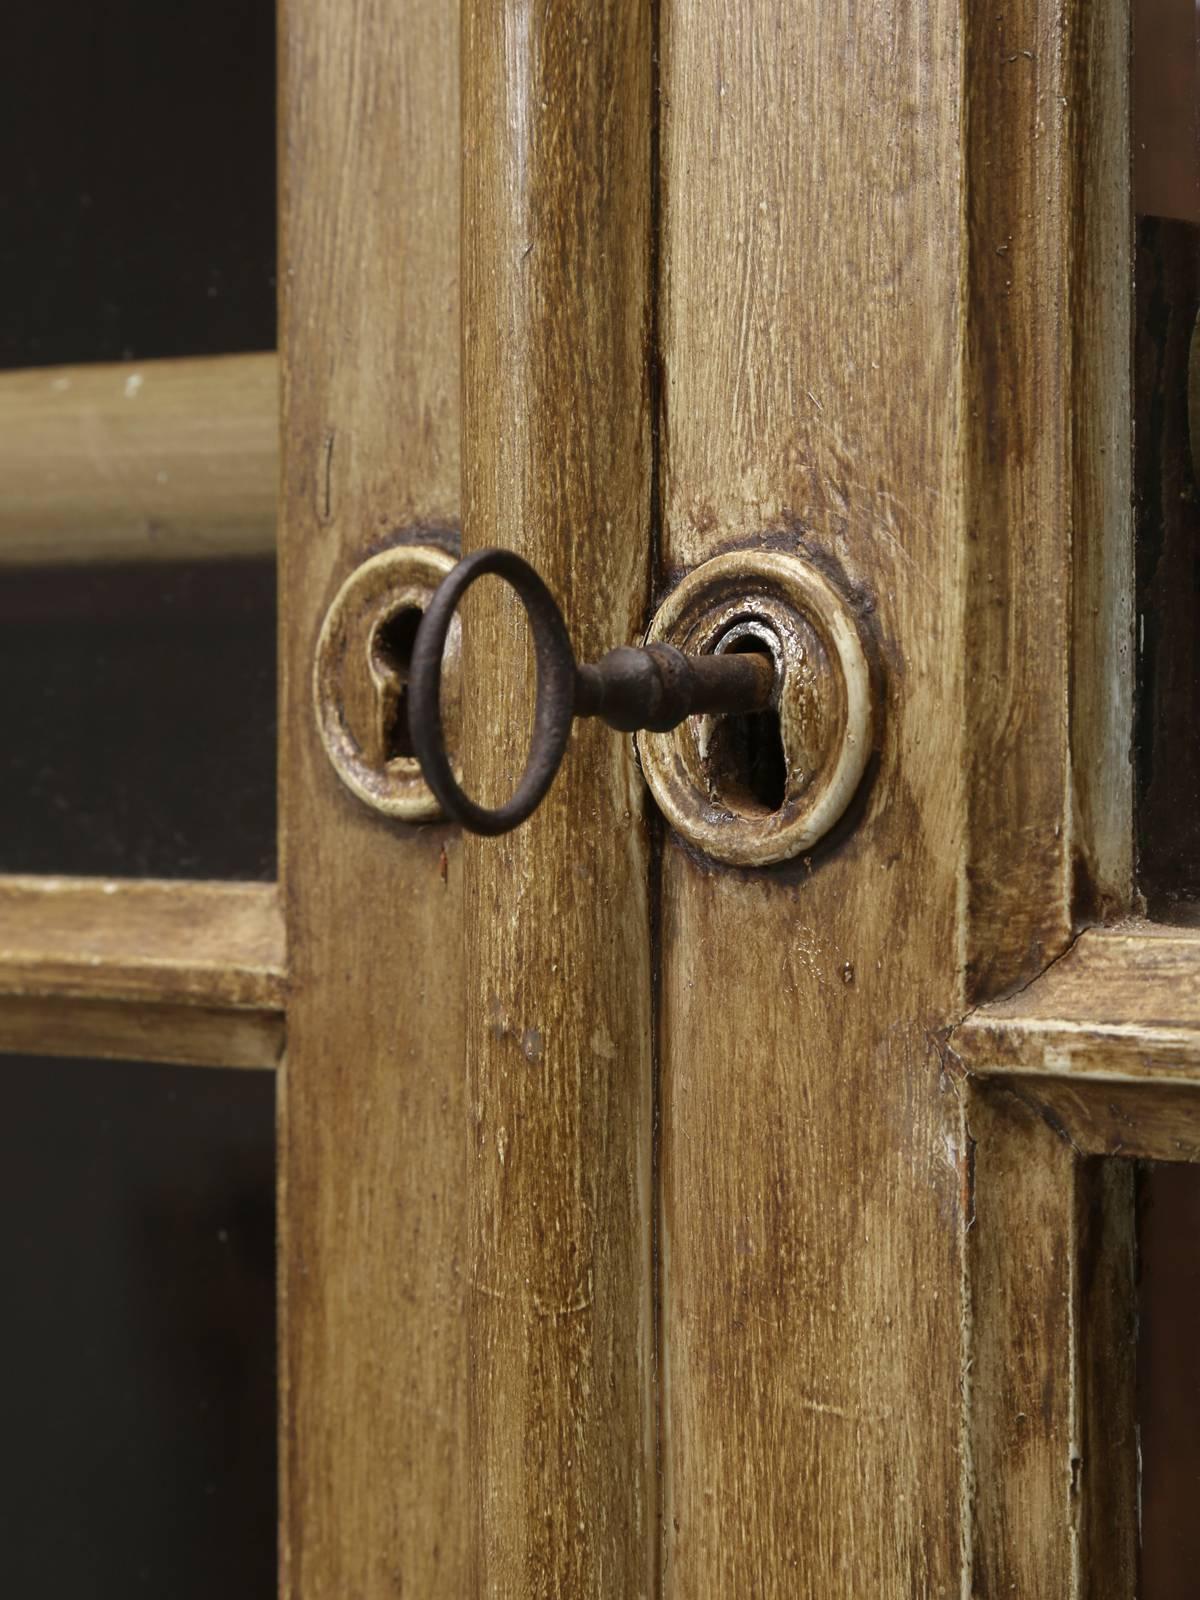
(556,206)
(372,1153)
(1050,1310)
(892,369)
(811,1159)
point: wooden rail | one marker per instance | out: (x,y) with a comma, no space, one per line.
(1106,1043)
(147,970)
(152,460)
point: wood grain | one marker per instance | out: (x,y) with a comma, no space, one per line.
(151,971)
(1050,1390)
(211,943)
(372,1112)
(873,343)
(1150,1120)
(1098,422)
(556,193)
(1049,555)
(812,321)
(1018,510)
(135,461)
(1105,1044)
(143,1030)
(1123,1003)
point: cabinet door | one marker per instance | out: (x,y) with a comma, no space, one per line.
(654,1223)
(651,1224)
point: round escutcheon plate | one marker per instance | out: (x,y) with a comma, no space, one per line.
(753,791)
(360,678)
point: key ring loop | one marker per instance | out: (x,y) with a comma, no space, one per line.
(554,708)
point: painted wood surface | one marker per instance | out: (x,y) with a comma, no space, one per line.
(873,347)
(872,344)
(556,205)
(812,323)
(1150,1120)
(1050,1310)
(887,336)
(1123,1003)
(1097,301)
(372,1112)
(181,1034)
(1048,442)
(142,970)
(139,461)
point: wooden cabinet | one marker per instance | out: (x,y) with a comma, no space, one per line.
(651,1226)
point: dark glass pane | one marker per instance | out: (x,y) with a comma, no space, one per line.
(137,207)
(137,1396)
(138,714)
(1169,1380)
(1167,510)
(1166,195)
(1166,154)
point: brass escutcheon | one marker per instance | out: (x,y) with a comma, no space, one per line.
(360,678)
(820,720)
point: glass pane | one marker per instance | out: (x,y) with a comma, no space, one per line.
(139,718)
(137,1402)
(137,209)
(1169,1381)
(1166,151)
(1167,492)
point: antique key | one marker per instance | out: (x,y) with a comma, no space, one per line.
(654,687)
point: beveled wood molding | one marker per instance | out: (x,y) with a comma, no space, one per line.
(145,970)
(139,461)
(1123,1004)
(1105,1044)
(1049,563)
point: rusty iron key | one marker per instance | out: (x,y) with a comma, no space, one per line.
(654,687)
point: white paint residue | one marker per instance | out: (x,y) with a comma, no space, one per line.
(950,1151)
(601,1043)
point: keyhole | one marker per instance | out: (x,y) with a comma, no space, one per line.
(746,761)
(394,639)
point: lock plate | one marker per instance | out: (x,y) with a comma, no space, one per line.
(360,678)
(753,791)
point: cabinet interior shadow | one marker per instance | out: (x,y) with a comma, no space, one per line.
(137,212)
(139,718)
(1167,511)
(137,1403)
